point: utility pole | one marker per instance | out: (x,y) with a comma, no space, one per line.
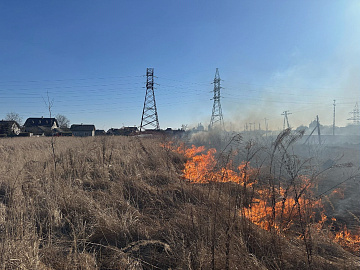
(318,129)
(334,118)
(266,127)
(149,114)
(216,115)
(355,115)
(286,113)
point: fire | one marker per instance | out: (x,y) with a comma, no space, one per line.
(289,206)
(202,167)
(338,194)
(285,212)
(348,240)
(198,168)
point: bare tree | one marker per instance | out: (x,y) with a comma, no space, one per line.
(63,121)
(13,116)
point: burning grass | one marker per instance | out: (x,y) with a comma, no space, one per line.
(122,203)
(288,209)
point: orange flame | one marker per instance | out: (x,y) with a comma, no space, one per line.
(348,240)
(284,212)
(202,167)
(198,167)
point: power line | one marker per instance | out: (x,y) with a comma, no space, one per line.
(185,82)
(335,186)
(71,79)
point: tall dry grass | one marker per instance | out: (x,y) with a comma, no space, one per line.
(120,203)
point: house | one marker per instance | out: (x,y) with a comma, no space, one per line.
(40,126)
(113,131)
(175,132)
(124,131)
(129,130)
(9,128)
(62,131)
(100,132)
(83,130)
(44,122)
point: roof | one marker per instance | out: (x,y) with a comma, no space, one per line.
(39,130)
(45,122)
(8,123)
(82,127)
(5,126)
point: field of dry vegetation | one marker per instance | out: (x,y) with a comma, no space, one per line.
(124,203)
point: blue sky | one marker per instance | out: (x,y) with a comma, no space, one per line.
(90,57)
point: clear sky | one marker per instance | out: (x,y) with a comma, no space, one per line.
(90,57)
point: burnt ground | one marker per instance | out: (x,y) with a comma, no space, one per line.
(339,183)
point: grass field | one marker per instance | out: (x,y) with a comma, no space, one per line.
(123,203)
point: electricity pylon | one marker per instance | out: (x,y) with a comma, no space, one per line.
(216,115)
(285,114)
(355,115)
(149,115)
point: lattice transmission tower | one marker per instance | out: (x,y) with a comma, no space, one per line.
(217,116)
(149,115)
(286,120)
(355,115)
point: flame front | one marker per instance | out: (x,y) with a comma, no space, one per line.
(290,206)
(202,167)
(198,168)
(348,240)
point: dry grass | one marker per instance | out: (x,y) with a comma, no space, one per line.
(120,203)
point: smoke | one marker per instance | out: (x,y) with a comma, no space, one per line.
(305,90)
(318,67)
(306,81)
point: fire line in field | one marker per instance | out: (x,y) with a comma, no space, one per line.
(291,204)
